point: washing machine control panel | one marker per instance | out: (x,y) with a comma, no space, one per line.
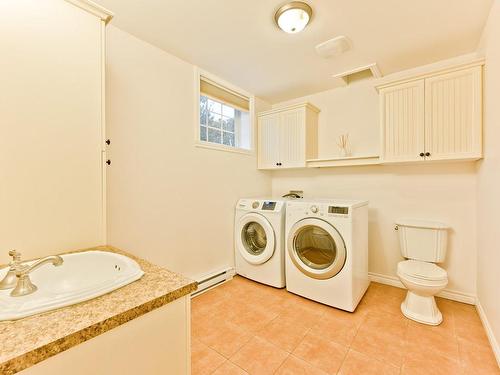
(260,205)
(268,205)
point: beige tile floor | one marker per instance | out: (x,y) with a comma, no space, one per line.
(243,327)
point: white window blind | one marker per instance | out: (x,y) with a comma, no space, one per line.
(219,93)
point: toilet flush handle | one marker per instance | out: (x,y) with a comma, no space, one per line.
(396,228)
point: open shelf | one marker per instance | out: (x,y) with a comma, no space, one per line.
(348,161)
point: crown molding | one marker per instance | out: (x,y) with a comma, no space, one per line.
(93,8)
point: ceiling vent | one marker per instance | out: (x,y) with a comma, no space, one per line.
(333,47)
(358,74)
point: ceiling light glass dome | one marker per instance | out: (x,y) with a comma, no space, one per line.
(293,17)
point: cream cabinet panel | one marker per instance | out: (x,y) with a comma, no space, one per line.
(292,139)
(269,137)
(287,136)
(434,116)
(51,126)
(402,117)
(453,115)
(136,348)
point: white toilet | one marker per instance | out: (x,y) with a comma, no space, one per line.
(423,243)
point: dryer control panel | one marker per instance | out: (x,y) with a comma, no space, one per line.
(338,210)
(319,209)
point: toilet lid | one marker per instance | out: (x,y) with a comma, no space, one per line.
(422,270)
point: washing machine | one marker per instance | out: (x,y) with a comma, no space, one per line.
(259,240)
(327,251)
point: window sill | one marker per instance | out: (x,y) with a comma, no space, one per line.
(217,147)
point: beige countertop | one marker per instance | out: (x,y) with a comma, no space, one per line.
(30,340)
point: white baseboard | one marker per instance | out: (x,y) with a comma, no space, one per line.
(447,293)
(489,332)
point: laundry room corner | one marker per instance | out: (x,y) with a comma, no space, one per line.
(249,188)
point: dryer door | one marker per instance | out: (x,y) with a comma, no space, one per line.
(255,238)
(316,248)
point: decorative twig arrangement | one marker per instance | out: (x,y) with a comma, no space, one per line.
(343,144)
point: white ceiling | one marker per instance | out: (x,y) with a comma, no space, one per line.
(238,40)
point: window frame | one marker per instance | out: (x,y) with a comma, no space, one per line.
(199,74)
(208,126)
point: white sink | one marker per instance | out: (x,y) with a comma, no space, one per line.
(81,277)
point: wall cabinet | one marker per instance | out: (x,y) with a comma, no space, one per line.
(436,117)
(287,136)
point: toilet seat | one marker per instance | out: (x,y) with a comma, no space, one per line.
(422,273)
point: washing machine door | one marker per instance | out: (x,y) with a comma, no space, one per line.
(255,238)
(316,248)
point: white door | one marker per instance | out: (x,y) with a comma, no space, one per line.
(316,248)
(292,139)
(50,127)
(453,115)
(255,239)
(269,141)
(402,121)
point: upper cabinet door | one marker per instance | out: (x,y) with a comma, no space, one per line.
(293,139)
(269,141)
(288,136)
(453,104)
(402,120)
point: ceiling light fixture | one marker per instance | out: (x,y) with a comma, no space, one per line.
(293,17)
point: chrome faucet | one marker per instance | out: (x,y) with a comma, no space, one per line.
(10,279)
(24,285)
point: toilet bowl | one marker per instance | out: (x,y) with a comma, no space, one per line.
(423,281)
(423,243)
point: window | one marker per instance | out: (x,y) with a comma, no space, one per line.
(225,119)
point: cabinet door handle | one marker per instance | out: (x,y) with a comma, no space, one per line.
(427,154)
(422,154)
(108,141)
(108,162)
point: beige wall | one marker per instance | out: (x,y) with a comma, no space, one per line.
(445,192)
(168,201)
(352,109)
(488,268)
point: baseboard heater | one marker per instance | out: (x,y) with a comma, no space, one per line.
(211,280)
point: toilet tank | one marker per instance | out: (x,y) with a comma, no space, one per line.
(423,239)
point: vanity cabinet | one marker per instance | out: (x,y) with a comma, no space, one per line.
(436,117)
(155,343)
(287,136)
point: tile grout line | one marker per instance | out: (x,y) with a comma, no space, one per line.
(282,363)
(228,358)
(290,353)
(234,364)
